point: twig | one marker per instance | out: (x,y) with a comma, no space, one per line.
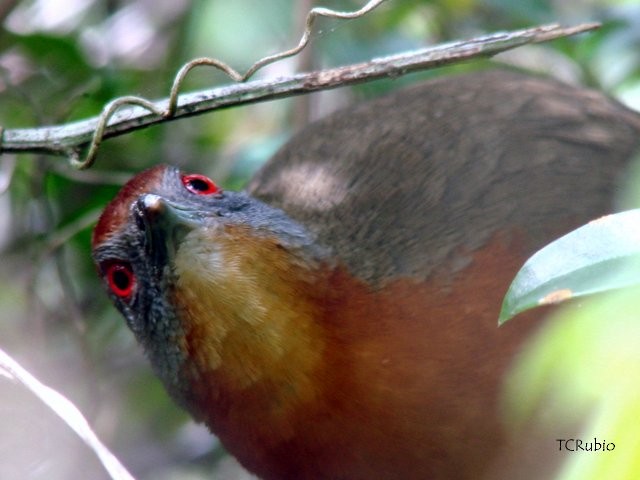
(301,108)
(72,151)
(66,410)
(238,77)
(114,121)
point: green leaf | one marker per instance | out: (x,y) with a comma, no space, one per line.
(601,256)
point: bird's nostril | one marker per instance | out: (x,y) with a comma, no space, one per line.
(151,205)
(147,209)
(151,201)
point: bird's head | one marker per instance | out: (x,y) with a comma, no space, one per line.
(212,283)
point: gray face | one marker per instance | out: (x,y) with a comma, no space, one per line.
(139,235)
(135,258)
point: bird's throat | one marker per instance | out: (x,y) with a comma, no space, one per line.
(248,318)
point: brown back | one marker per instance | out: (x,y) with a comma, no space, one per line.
(396,185)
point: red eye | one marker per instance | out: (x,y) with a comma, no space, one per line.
(199,184)
(121,279)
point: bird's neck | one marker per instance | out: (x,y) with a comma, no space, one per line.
(250,334)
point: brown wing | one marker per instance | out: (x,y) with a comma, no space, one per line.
(415,176)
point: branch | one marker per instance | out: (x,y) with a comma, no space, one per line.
(68,139)
(67,411)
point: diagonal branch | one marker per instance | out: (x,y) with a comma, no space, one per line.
(68,138)
(67,411)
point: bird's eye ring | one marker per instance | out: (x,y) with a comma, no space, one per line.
(199,184)
(120,278)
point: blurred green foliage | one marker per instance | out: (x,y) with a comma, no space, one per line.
(61,61)
(581,374)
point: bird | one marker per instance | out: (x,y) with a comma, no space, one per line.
(337,318)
